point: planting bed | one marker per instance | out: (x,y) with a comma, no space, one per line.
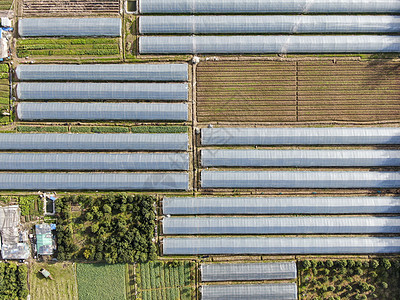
(101,281)
(304,91)
(50,48)
(5,4)
(4,94)
(165,280)
(77,7)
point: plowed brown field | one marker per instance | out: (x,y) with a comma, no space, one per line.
(304,91)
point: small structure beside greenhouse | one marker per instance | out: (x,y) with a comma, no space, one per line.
(45,243)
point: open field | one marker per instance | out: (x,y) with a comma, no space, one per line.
(68,47)
(349,279)
(165,280)
(77,7)
(101,281)
(304,91)
(63,287)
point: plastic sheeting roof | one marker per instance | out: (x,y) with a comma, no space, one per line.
(105,72)
(280,245)
(102,111)
(280,205)
(269,44)
(272,291)
(102,91)
(94,161)
(299,158)
(94,181)
(109,141)
(69,27)
(248,271)
(269,6)
(299,179)
(280,225)
(267,24)
(300,136)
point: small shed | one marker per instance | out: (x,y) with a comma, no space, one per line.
(44,239)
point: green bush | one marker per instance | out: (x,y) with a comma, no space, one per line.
(80,129)
(159,129)
(329,263)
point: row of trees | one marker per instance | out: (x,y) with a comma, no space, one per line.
(13,281)
(118,228)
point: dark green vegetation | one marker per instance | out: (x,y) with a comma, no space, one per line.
(103,129)
(115,228)
(349,279)
(4,94)
(101,281)
(42,128)
(68,47)
(13,281)
(165,280)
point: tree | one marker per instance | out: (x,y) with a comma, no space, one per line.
(107,209)
(374,264)
(306,264)
(386,264)
(89,216)
(329,263)
(384,285)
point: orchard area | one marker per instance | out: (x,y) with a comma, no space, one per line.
(115,228)
(349,279)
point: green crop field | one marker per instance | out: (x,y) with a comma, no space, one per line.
(165,280)
(67,47)
(63,287)
(101,281)
(5,4)
(4,94)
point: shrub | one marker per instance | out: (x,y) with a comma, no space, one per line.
(386,264)
(374,264)
(351,263)
(359,271)
(306,264)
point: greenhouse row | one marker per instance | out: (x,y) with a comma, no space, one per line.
(280,225)
(268,24)
(267,291)
(301,136)
(94,142)
(300,158)
(35,27)
(280,245)
(102,91)
(267,6)
(105,72)
(252,44)
(279,205)
(94,181)
(94,161)
(29,111)
(248,271)
(300,179)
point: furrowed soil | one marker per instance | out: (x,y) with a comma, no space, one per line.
(76,7)
(298,91)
